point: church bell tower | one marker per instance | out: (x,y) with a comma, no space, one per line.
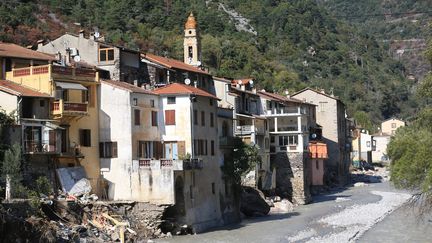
(191,44)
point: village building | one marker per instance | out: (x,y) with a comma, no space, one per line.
(113,62)
(331,115)
(363,144)
(291,126)
(380,154)
(73,108)
(390,126)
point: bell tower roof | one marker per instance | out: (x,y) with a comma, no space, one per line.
(191,22)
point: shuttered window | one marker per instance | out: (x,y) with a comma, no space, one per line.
(195,117)
(154,118)
(211,119)
(85,137)
(108,150)
(212,148)
(170,117)
(137,117)
(202,118)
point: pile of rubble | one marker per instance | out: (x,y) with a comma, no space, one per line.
(279,205)
(371,175)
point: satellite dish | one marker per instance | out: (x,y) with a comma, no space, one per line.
(96,34)
(77,58)
(187,81)
(314,136)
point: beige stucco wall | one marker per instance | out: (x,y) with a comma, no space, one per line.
(381,148)
(390,126)
(9,102)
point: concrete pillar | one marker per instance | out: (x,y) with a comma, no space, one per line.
(299,124)
(275,124)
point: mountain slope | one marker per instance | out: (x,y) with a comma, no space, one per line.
(297,43)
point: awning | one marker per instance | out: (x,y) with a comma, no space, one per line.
(76,86)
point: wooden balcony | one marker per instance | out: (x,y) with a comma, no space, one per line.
(61,108)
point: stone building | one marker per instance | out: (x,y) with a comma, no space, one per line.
(291,123)
(331,115)
(113,62)
(390,126)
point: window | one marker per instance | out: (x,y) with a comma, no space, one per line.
(272,139)
(368,144)
(211,102)
(145,149)
(213,188)
(211,119)
(106,54)
(171,100)
(212,148)
(288,140)
(152,103)
(108,149)
(393,125)
(322,106)
(202,118)
(154,118)
(205,147)
(195,117)
(135,101)
(190,52)
(42,103)
(85,137)
(137,118)
(170,117)
(84,96)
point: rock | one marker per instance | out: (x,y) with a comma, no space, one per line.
(360,184)
(115,236)
(270,203)
(284,206)
(342,199)
(253,202)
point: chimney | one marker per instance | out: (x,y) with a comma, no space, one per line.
(254,90)
(81,33)
(135,82)
(40,44)
(195,84)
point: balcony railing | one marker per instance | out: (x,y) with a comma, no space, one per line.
(244,130)
(285,111)
(54,72)
(161,164)
(32,146)
(189,164)
(68,108)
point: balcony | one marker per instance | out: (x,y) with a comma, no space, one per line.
(285,111)
(161,164)
(61,108)
(30,75)
(244,130)
(189,164)
(39,147)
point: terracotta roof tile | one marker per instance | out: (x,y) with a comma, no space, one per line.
(19,90)
(12,50)
(172,63)
(243,81)
(176,88)
(127,86)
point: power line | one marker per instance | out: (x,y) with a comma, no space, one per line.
(383,14)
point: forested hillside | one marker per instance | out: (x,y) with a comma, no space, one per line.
(297,43)
(402,26)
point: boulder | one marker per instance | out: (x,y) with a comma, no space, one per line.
(284,206)
(253,202)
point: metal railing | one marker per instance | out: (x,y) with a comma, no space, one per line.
(34,146)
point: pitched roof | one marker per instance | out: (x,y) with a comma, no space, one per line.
(19,90)
(281,98)
(172,63)
(127,86)
(13,50)
(316,91)
(177,88)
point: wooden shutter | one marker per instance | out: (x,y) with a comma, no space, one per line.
(157,150)
(154,118)
(170,117)
(101,150)
(181,148)
(137,117)
(114,150)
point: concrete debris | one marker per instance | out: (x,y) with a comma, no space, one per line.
(378,174)
(342,199)
(360,184)
(73,180)
(284,206)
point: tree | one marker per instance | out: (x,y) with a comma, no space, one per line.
(241,160)
(409,150)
